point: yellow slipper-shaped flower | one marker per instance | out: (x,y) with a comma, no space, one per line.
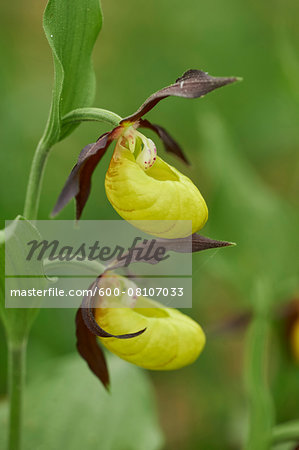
(171,340)
(146,188)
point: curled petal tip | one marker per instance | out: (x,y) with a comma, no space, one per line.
(128,335)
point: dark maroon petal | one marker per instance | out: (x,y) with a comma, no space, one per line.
(90,351)
(180,245)
(200,243)
(170,144)
(193,84)
(88,306)
(79,181)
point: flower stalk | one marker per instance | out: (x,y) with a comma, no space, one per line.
(261,408)
(35,180)
(16,377)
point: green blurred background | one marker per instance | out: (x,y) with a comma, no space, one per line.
(243,143)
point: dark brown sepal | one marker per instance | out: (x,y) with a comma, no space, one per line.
(192,84)
(204,243)
(90,351)
(179,245)
(79,181)
(199,243)
(170,144)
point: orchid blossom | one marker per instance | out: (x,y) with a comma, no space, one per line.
(142,187)
(139,184)
(165,338)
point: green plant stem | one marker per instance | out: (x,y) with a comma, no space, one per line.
(16,376)
(35,180)
(91,115)
(261,409)
(286,432)
(17,352)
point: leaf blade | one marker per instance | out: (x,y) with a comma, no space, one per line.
(71,29)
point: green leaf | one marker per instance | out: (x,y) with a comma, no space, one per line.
(71,28)
(66,407)
(17,321)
